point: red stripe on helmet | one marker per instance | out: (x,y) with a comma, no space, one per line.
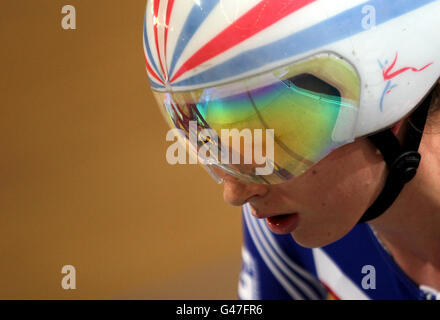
(156,38)
(265,13)
(170,5)
(151,71)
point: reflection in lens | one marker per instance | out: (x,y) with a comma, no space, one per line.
(309,115)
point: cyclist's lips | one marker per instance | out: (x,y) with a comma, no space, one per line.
(282,223)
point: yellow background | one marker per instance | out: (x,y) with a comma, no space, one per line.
(83,175)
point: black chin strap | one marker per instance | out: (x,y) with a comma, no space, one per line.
(402,160)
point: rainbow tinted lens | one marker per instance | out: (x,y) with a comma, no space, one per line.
(291,117)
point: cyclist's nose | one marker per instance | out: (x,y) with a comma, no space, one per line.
(237,192)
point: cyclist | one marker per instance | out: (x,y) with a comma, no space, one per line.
(351,207)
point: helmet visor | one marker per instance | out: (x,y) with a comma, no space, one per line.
(270,127)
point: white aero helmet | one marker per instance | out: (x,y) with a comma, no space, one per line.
(315,74)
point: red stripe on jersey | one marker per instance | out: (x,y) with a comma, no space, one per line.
(331,292)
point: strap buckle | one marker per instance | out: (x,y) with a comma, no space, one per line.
(405,166)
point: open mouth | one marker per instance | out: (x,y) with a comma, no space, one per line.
(283,224)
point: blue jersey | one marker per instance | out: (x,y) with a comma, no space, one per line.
(355,267)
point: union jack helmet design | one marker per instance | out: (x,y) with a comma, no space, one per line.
(191,44)
(383,56)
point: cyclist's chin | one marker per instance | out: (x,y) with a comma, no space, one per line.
(320,234)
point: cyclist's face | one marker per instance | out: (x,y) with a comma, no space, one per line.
(327,201)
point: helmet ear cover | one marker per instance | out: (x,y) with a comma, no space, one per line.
(402,160)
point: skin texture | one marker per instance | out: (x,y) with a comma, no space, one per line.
(345,193)
(347,182)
